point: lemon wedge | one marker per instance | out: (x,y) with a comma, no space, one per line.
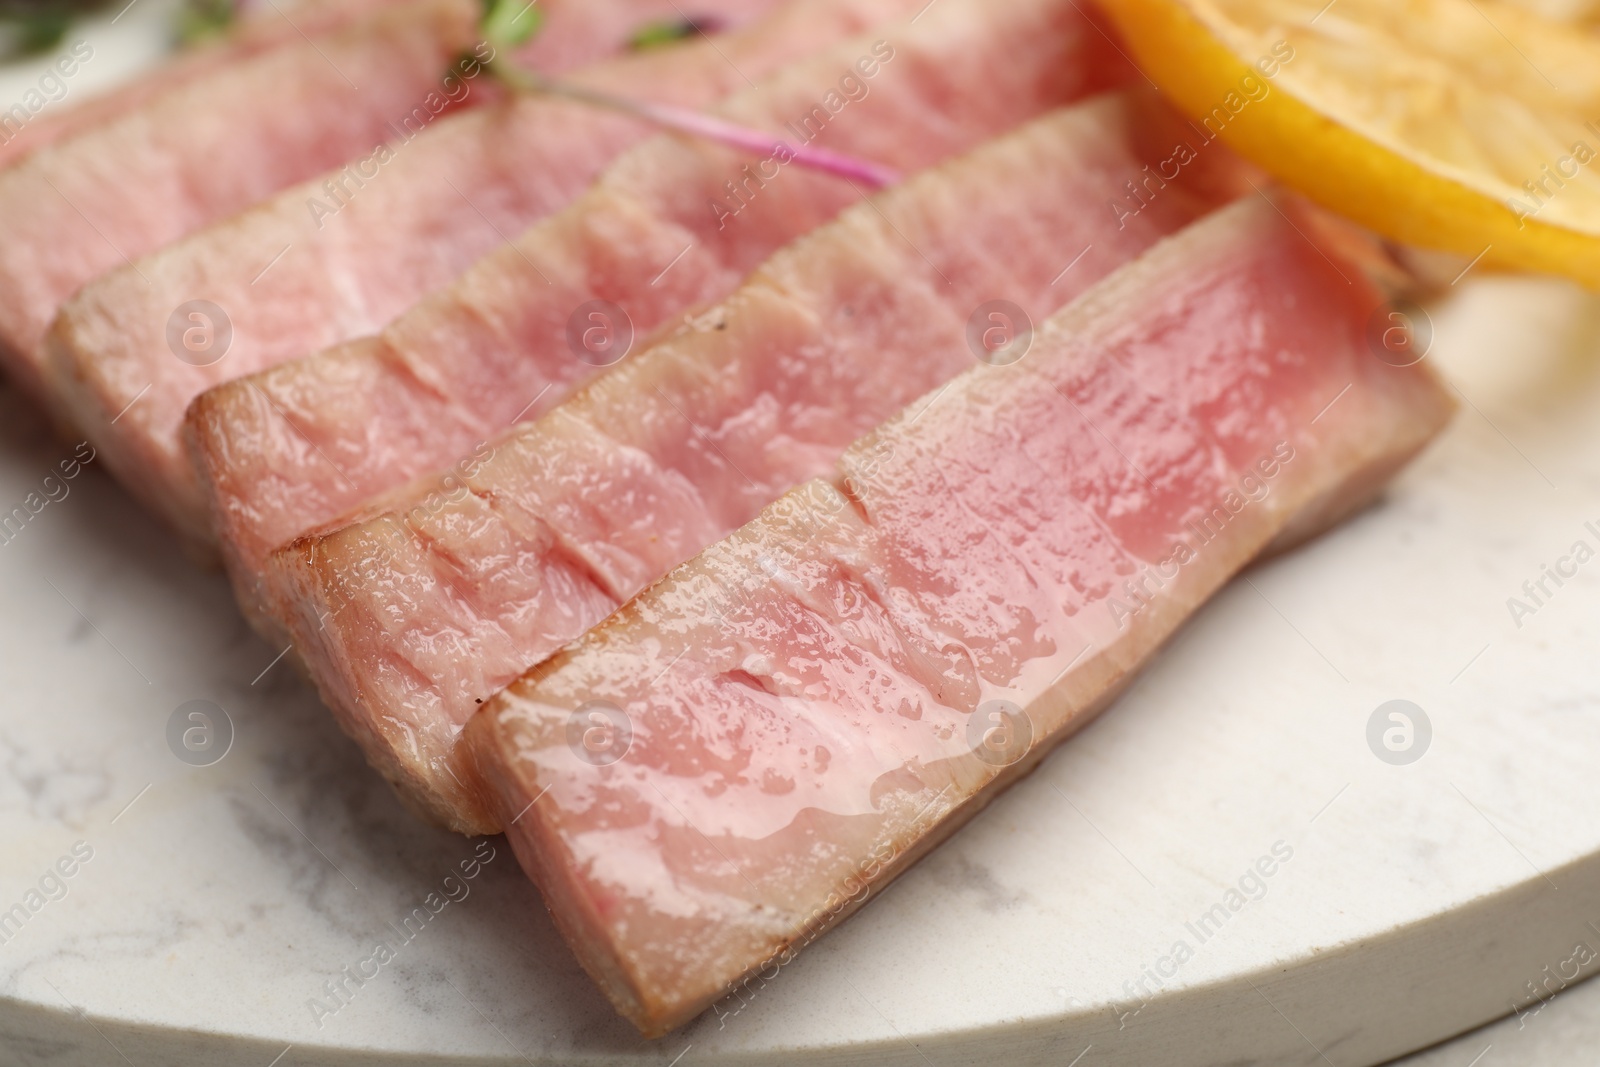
(1579,11)
(1470,126)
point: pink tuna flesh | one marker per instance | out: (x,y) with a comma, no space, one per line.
(576,32)
(91,203)
(289,450)
(445,594)
(738,758)
(341,255)
(263,29)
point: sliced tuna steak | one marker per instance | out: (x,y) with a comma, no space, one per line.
(30,125)
(297,447)
(341,255)
(78,208)
(563,519)
(743,755)
(577,32)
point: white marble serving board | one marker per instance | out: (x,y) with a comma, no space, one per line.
(1420,900)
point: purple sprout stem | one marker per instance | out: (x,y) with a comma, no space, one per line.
(697,124)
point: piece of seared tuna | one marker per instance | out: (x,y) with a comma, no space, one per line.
(743,755)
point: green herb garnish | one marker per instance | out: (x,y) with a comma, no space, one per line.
(201,20)
(664,32)
(510,23)
(33,26)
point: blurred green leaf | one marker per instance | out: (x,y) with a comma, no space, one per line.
(664,32)
(19,9)
(201,20)
(32,26)
(512,22)
(40,33)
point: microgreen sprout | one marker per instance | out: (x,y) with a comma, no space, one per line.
(511,23)
(679,119)
(671,31)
